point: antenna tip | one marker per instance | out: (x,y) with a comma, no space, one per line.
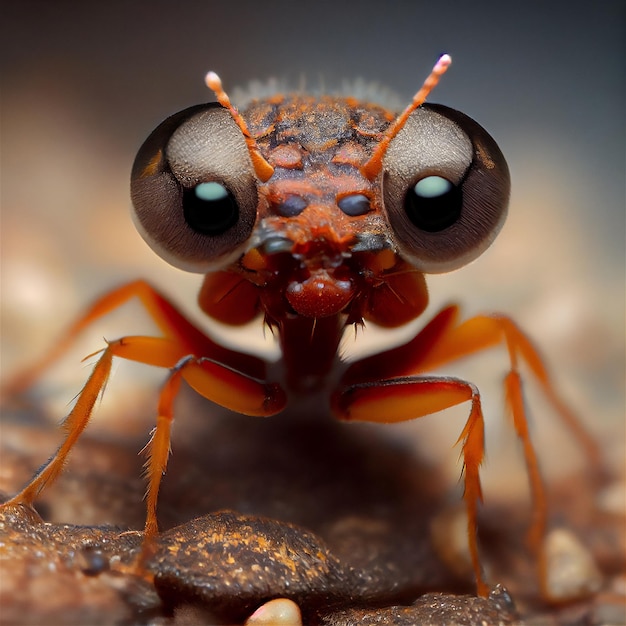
(444,61)
(213,81)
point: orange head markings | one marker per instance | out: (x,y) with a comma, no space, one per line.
(373,167)
(262,168)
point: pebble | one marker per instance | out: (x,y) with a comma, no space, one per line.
(279,612)
(571,573)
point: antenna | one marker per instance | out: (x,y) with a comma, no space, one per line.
(262,168)
(373,167)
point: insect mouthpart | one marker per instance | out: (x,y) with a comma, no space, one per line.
(322,294)
(323,284)
(313,275)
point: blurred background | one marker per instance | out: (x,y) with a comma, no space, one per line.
(83,83)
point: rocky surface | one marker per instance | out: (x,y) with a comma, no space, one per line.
(337,518)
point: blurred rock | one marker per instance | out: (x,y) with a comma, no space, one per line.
(336,518)
(571,572)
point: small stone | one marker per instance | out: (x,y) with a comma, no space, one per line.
(570,573)
(501,597)
(279,612)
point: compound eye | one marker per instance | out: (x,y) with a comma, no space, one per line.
(445,189)
(194,189)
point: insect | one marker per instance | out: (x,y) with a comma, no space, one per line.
(316,215)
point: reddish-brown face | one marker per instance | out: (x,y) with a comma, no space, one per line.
(319,236)
(317,209)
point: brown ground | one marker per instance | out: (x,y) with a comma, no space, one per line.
(336,517)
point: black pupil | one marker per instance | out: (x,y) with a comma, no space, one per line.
(209,208)
(433,204)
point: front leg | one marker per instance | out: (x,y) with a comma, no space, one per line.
(379,388)
(229,378)
(188,339)
(407,398)
(217,381)
(232,379)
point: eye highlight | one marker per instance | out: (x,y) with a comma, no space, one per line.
(433,203)
(209,208)
(432,187)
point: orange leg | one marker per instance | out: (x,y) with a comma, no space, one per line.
(218,382)
(379,388)
(229,378)
(171,322)
(483,331)
(402,399)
